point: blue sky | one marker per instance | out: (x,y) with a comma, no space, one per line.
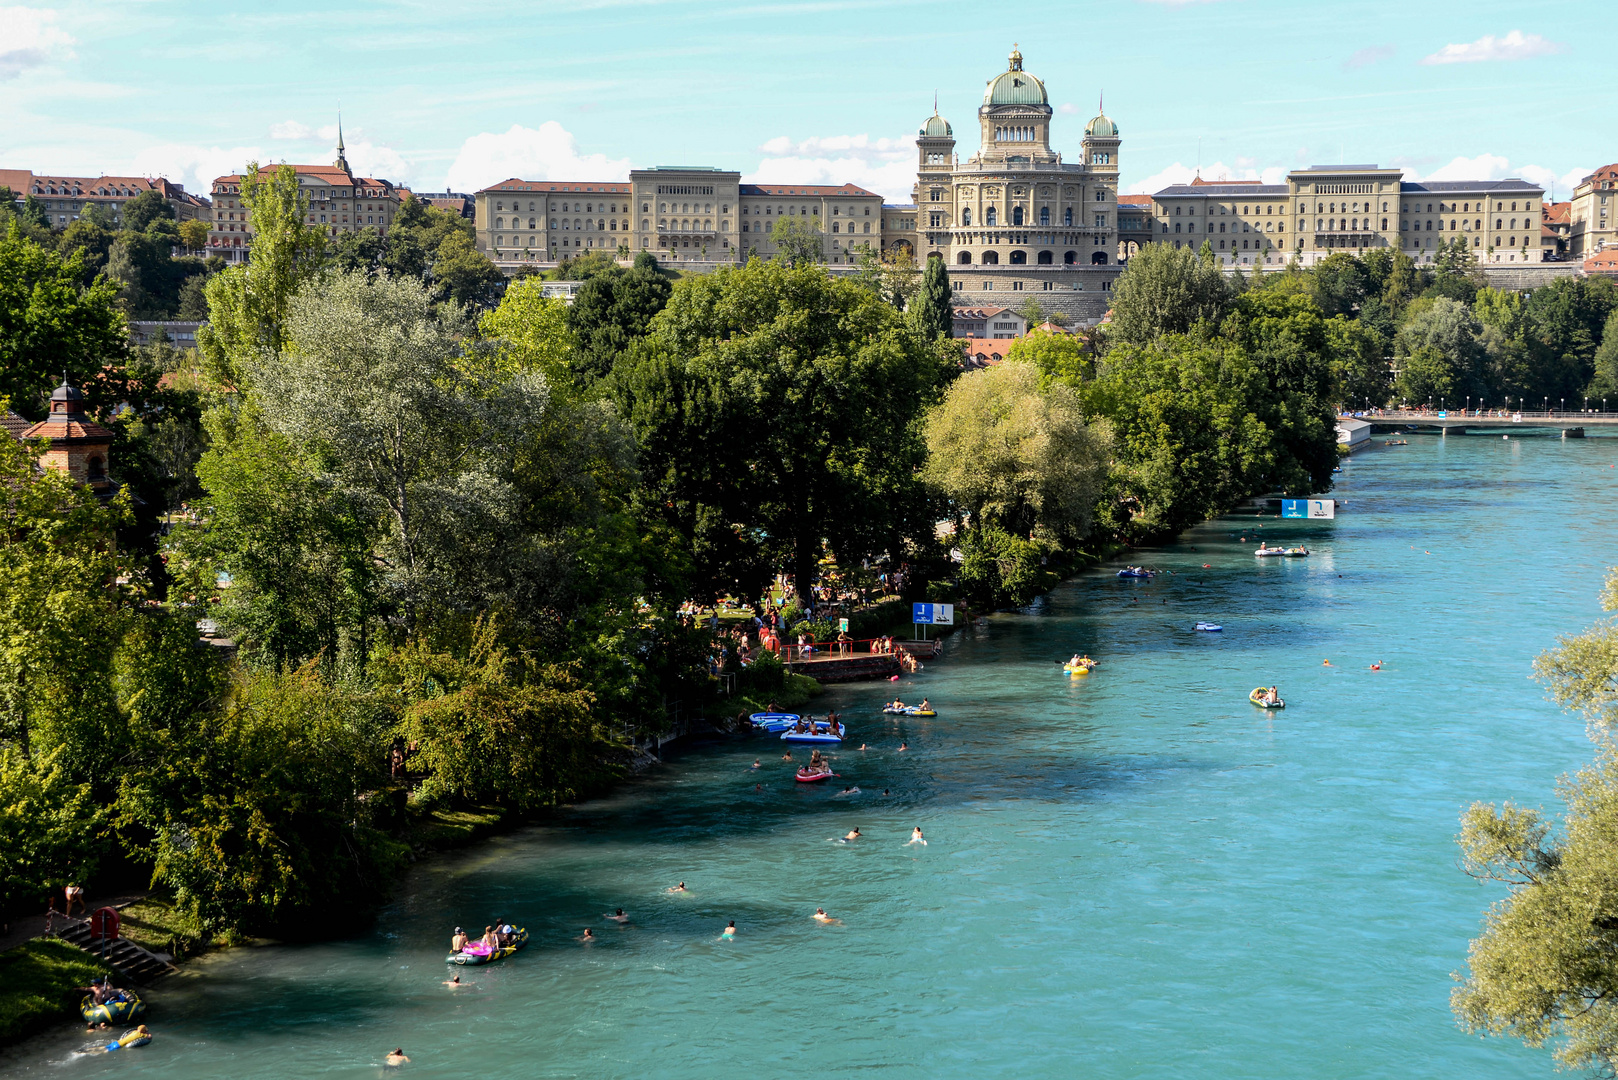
(819,91)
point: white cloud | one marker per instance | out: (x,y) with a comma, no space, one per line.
(1367,56)
(29,38)
(1495,167)
(369,159)
(290,129)
(194,166)
(1559,187)
(885,166)
(549,152)
(1514,46)
(1184,174)
(1069,109)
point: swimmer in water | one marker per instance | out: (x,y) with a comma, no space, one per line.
(1325,663)
(863,746)
(619,916)
(853,835)
(1377,666)
(758,787)
(904,746)
(916,837)
(850,791)
(885,791)
(787,756)
(730,930)
(396,1058)
(589,935)
(677,888)
(453,984)
(820,916)
(755,763)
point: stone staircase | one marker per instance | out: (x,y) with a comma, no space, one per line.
(130,960)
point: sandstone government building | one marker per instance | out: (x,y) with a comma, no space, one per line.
(1016,216)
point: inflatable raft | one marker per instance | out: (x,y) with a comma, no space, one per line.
(479,953)
(818,733)
(774,721)
(809,776)
(1209,627)
(130,1039)
(1134,572)
(1257,698)
(112,1012)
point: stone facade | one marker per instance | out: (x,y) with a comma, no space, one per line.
(1593,217)
(66,197)
(1355,208)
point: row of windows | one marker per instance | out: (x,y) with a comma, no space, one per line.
(1016,134)
(1020,258)
(1269,226)
(1348,208)
(1045,286)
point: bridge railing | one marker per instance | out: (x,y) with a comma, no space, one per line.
(1374,416)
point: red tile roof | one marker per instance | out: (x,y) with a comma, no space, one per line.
(85,431)
(1134,200)
(25,182)
(986,350)
(14,424)
(979,312)
(1602,262)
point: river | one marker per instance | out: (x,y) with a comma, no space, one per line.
(1135,874)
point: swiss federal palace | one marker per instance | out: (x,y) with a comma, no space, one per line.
(1015,216)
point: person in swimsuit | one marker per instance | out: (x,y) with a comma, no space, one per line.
(453,984)
(730,931)
(677,888)
(619,916)
(589,935)
(904,746)
(458,942)
(853,834)
(397,1058)
(755,763)
(820,916)
(916,837)
(787,756)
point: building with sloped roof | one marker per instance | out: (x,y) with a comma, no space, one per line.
(1593,217)
(682,214)
(1324,209)
(65,198)
(339,202)
(74,443)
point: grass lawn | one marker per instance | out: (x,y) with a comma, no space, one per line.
(37,981)
(454,828)
(155,926)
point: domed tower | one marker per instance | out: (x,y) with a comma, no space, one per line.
(77,445)
(1015,118)
(935,163)
(1101,145)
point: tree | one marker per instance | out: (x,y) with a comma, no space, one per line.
(51,827)
(528,332)
(145,208)
(372,387)
(494,727)
(86,235)
(1604,381)
(803,391)
(1187,444)
(248,304)
(1446,328)
(1016,455)
(797,242)
(464,275)
(1068,358)
(51,322)
(1565,321)
(891,275)
(937,316)
(609,312)
(1426,375)
(194,234)
(1340,284)
(1542,968)
(1166,290)
(1359,371)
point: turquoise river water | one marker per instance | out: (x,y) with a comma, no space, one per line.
(1136,874)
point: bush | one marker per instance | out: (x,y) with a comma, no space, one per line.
(38,985)
(1001,570)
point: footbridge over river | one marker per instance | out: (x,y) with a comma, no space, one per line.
(1571,424)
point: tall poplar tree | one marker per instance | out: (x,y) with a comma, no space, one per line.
(935,313)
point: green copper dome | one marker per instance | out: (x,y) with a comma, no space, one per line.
(1101,128)
(1015,86)
(937,127)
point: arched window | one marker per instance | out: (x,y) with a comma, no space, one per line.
(1099,258)
(989,216)
(966,215)
(867,226)
(1044,258)
(991,258)
(1069,258)
(1067,217)
(95,468)
(1016,215)
(964,258)
(1044,216)
(499,222)
(1019,258)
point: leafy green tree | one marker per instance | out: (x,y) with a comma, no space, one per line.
(1427,375)
(1447,327)
(194,234)
(248,304)
(145,208)
(372,387)
(1604,383)
(51,827)
(1187,444)
(936,313)
(192,302)
(1000,570)
(1542,968)
(803,391)
(527,333)
(1456,276)
(33,214)
(611,311)
(86,235)
(1565,322)
(1359,368)
(891,275)
(1068,358)
(496,727)
(1014,454)
(51,322)
(464,275)
(1340,284)
(1166,290)
(797,242)
(254,808)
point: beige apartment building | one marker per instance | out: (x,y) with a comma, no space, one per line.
(1593,216)
(66,197)
(339,202)
(689,214)
(1328,208)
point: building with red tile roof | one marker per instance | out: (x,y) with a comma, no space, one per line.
(75,444)
(64,198)
(1593,216)
(1555,227)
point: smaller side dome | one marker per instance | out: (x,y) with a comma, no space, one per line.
(66,392)
(1101,128)
(937,127)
